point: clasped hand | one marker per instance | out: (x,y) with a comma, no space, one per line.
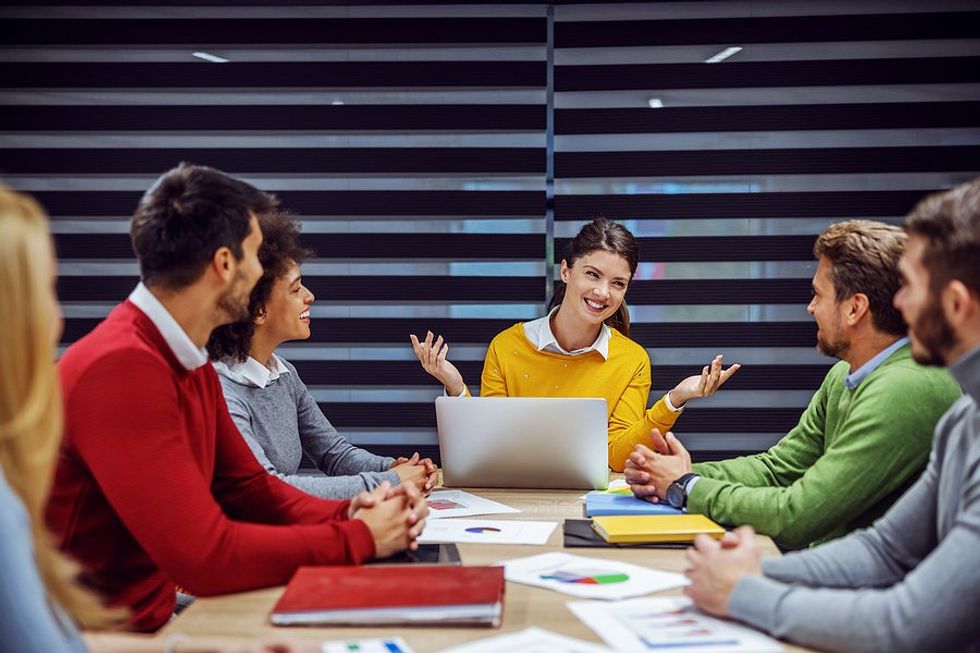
(394,515)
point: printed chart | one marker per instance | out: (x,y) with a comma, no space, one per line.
(487,531)
(668,624)
(592,578)
(456,503)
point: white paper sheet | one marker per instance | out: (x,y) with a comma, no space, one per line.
(487,531)
(385,645)
(617,486)
(591,578)
(530,640)
(670,623)
(456,503)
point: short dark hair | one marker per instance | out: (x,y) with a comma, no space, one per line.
(950,224)
(188,214)
(863,256)
(280,249)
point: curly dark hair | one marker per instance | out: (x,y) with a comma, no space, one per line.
(280,249)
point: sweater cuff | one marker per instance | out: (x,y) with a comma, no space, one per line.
(360,542)
(660,416)
(697,497)
(754,601)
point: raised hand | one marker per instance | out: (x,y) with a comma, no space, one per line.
(693,387)
(432,355)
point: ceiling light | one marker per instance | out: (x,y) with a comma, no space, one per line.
(210,58)
(724,54)
(337,103)
(655,103)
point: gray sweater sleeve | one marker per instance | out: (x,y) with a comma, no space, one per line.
(29,623)
(325,487)
(330,451)
(892,587)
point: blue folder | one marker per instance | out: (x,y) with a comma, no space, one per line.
(600,504)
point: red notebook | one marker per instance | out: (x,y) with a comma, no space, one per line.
(430,595)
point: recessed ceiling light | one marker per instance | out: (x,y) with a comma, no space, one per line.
(210,58)
(655,103)
(724,54)
(337,103)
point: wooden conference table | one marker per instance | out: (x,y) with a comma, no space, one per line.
(247,613)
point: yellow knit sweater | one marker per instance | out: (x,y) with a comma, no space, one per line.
(515,368)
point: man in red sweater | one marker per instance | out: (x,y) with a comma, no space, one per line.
(154,486)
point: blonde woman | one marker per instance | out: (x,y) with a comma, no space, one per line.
(39,590)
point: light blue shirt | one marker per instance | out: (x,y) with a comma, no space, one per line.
(854,379)
(30,622)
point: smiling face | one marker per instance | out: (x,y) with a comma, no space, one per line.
(828,313)
(930,334)
(287,312)
(595,286)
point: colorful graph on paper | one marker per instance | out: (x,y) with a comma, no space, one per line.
(585,577)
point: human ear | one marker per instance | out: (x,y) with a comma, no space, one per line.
(222,262)
(260,319)
(858,306)
(564,271)
(958,302)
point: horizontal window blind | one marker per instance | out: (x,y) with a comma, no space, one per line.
(442,155)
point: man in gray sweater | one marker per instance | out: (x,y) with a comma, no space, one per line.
(910,582)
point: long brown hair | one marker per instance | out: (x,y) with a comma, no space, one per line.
(602,234)
(30,401)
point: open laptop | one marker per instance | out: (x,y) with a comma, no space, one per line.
(523,442)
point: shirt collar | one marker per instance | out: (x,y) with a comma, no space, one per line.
(966,371)
(854,379)
(251,371)
(540,334)
(187,353)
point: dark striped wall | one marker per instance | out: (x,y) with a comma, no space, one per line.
(441,155)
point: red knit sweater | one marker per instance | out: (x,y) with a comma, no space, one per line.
(155,487)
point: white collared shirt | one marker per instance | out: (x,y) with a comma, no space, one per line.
(251,371)
(187,353)
(539,333)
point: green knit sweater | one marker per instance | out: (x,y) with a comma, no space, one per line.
(853,453)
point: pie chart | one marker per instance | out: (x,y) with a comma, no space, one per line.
(480,530)
(586,577)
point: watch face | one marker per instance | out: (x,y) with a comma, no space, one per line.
(675,495)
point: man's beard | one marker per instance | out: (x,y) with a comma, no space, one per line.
(933,334)
(835,349)
(234,301)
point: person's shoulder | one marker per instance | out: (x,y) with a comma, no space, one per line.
(623,345)
(901,374)
(511,335)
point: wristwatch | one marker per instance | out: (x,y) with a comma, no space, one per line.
(677,491)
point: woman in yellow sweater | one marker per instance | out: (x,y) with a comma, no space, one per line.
(582,347)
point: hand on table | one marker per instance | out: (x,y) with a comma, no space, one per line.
(394,515)
(714,568)
(421,472)
(650,472)
(432,355)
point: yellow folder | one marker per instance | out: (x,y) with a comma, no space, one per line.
(655,528)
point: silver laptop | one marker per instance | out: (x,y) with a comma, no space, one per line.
(523,442)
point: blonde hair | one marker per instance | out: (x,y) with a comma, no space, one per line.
(30,401)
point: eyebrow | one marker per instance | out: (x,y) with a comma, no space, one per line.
(601,272)
(299,277)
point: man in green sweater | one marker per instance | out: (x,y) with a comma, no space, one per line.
(866,434)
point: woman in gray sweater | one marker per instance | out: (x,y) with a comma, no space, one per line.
(273,408)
